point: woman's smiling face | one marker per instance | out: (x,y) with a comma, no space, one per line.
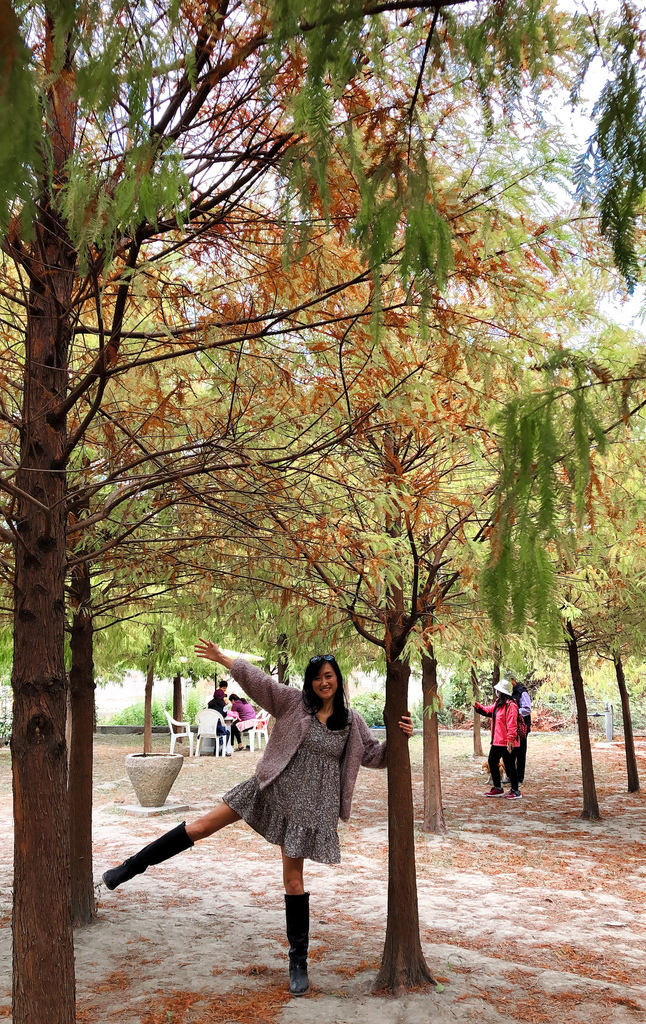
(325,683)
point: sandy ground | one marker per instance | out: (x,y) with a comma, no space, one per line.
(527,913)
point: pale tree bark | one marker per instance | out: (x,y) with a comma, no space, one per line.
(43,959)
(433,810)
(477,732)
(590,802)
(82,689)
(148,708)
(629,742)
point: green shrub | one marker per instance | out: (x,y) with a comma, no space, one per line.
(134,714)
(417,714)
(371,707)
(457,693)
(194,701)
(6,712)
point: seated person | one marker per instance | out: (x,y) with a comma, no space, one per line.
(218,701)
(241,707)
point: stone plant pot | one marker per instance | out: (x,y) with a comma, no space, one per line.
(152,776)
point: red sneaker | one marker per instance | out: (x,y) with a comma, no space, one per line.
(514,794)
(496,791)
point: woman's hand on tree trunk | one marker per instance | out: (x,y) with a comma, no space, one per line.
(406,725)
(210,651)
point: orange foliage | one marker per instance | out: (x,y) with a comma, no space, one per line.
(253,1006)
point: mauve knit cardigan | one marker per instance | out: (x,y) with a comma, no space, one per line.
(293,720)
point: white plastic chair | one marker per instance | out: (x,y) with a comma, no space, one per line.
(178,729)
(207,725)
(259,731)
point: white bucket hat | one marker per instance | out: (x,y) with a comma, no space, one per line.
(504,686)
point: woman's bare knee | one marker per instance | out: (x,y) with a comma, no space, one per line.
(294,886)
(213,821)
(293,875)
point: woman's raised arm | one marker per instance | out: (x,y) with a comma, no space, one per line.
(272,696)
(210,651)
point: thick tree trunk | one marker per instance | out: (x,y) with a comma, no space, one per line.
(433,810)
(148,709)
(590,803)
(178,710)
(631,761)
(81,747)
(403,966)
(43,952)
(477,733)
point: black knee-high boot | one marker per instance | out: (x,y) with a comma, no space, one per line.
(175,841)
(297,915)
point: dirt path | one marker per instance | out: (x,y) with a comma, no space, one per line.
(528,914)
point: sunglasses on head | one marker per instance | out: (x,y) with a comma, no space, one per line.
(321,657)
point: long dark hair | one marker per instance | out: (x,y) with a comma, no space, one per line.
(340,714)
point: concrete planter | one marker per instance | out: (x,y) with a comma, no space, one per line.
(152,776)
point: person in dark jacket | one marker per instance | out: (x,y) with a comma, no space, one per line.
(302,785)
(520,694)
(218,701)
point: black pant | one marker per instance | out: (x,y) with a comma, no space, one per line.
(520,758)
(509,760)
(235,731)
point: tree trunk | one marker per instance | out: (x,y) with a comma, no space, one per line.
(148,709)
(178,709)
(495,675)
(43,952)
(403,966)
(283,660)
(81,747)
(433,810)
(590,803)
(477,733)
(631,761)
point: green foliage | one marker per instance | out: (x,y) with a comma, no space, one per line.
(417,714)
(501,47)
(6,655)
(545,445)
(134,714)
(152,185)
(112,187)
(20,128)
(371,707)
(457,692)
(167,639)
(514,40)
(612,171)
(6,711)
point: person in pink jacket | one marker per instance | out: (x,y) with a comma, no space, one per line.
(302,785)
(504,738)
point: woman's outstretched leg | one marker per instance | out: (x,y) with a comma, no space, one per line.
(171,843)
(297,919)
(211,822)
